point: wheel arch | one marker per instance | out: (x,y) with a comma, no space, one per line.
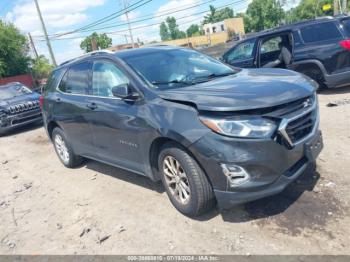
(156,147)
(306,64)
(51,126)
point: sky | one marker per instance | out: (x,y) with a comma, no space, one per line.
(62,16)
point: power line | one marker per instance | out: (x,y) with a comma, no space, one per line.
(153,24)
(104,19)
(163,13)
(149,18)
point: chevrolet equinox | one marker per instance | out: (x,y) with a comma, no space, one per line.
(211,133)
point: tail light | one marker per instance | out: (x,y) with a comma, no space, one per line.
(345,44)
(41,101)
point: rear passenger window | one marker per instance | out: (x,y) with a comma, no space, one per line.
(76,79)
(320,32)
(346,24)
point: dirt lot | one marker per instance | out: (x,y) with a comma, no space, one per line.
(97,209)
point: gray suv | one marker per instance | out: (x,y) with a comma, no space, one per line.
(211,133)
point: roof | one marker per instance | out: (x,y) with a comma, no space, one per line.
(121,54)
(145,50)
(296,25)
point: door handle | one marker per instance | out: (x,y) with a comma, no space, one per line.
(92,106)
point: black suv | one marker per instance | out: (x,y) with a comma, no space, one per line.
(318,48)
(208,131)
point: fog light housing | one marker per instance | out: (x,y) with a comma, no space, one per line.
(236,175)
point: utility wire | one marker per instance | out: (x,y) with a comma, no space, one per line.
(163,13)
(105,19)
(150,25)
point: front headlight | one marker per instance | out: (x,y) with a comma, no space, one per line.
(251,127)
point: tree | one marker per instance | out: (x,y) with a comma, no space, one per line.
(193,30)
(41,67)
(308,9)
(263,14)
(218,15)
(102,42)
(14,51)
(164,32)
(169,30)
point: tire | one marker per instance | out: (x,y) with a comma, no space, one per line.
(64,150)
(190,178)
(316,75)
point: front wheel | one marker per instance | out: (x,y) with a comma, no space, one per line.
(64,150)
(185,182)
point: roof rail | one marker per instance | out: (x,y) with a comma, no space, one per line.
(104,51)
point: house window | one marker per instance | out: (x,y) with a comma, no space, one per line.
(222,28)
(214,29)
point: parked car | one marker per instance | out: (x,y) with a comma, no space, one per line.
(19,106)
(209,132)
(318,48)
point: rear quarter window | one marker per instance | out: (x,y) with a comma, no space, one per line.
(52,81)
(320,32)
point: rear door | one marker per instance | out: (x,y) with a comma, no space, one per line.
(71,107)
(242,55)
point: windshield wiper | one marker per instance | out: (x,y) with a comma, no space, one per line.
(175,81)
(214,75)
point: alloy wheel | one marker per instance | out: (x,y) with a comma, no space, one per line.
(176,180)
(61,148)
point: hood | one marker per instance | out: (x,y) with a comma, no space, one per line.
(19,99)
(248,89)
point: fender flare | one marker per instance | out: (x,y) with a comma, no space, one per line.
(316,62)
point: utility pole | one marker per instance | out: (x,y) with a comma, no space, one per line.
(45,33)
(345,7)
(336,7)
(33,46)
(127,20)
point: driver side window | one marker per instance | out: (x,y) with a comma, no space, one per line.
(242,51)
(105,76)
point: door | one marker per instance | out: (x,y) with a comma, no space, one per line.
(242,55)
(71,107)
(115,124)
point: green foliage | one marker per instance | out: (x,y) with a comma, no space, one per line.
(263,14)
(308,9)
(102,41)
(169,30)
(41,67)
(164,32)
(14,58)
(218,15)
(194,30)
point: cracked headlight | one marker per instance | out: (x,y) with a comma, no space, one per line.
(252,127)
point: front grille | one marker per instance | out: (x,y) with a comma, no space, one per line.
(298,120)
(23,107)
(301,127)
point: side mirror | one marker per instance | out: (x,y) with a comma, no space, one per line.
(123,91)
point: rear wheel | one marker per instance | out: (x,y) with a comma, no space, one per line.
(64,150)
(186,184)
(317,75)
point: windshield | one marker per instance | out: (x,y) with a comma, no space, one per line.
(177,68)
(10,91)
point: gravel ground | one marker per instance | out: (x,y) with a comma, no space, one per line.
(97,209)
